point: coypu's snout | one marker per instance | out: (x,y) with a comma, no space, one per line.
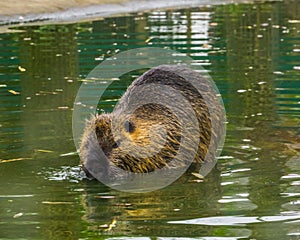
(96,146)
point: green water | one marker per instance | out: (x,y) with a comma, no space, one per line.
(252,51)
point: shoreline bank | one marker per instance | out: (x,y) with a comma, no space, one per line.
(17,12)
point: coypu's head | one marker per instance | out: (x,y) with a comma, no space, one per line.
(141,143)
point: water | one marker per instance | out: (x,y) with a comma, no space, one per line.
(252,51)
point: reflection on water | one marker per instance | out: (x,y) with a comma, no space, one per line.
(235,220)
(252,51)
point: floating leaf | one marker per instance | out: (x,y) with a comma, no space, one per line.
(63,108)
(148,39)
(44,150)
(112,225)
(14,160)
(21,69)
(197,175)
(13,92)
(68,154)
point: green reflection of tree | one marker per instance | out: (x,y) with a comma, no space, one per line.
(253,38)
(48,55)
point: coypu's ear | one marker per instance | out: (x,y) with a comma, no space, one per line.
(129,126)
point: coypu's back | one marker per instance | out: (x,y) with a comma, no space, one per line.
(163,112)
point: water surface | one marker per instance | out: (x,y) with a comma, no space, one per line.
(252,51)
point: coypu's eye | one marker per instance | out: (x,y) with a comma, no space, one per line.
(116,144)
(129,126)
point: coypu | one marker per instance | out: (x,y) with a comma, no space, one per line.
(140,136)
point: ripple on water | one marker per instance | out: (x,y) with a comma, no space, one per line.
(64,173)
(239,220)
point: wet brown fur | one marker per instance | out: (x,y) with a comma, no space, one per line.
(141,133)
